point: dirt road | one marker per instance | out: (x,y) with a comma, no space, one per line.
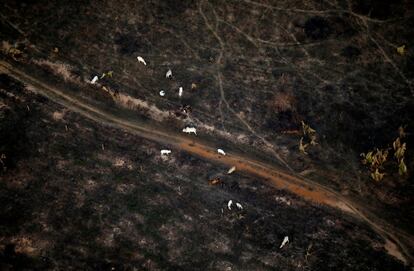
(397,243)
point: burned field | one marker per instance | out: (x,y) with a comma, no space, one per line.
(302,86)
(84,196)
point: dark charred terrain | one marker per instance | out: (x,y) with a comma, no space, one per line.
(69,203)
(80,195)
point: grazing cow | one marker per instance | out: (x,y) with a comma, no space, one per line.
(220,151)
(285,241)
(93,81)
(165,152)
(214,181)
(141,60)
(168,74)
(229,204)
(190,130)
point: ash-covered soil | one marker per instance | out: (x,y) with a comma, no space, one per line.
(82,196)
(251,72)
(260,68)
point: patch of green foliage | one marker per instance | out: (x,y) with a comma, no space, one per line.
(309,135)
(375,159)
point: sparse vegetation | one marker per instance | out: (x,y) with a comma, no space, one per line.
(399,152)
(309,134)
(375,159)
(107,74)
(302,147)
(11,50)
(376,175)
(15,53)
(401,50)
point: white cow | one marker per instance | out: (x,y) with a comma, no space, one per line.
(162,93)
(168,74)
(229,204)
(180,92)
(220,151)
(239,206)
(165,152)
(231,170)
(93,81)
(141,60)
(190,130)
(285,241)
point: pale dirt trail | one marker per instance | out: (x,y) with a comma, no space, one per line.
(397,243)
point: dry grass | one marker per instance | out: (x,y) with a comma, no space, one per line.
(283,102)
(59,69)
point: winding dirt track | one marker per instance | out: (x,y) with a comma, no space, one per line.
(397,243)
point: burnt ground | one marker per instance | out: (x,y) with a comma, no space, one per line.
(260,69)
(68,204)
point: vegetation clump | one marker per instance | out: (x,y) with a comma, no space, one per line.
(309,135)
(11,50)
(375,159)
(399,152)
